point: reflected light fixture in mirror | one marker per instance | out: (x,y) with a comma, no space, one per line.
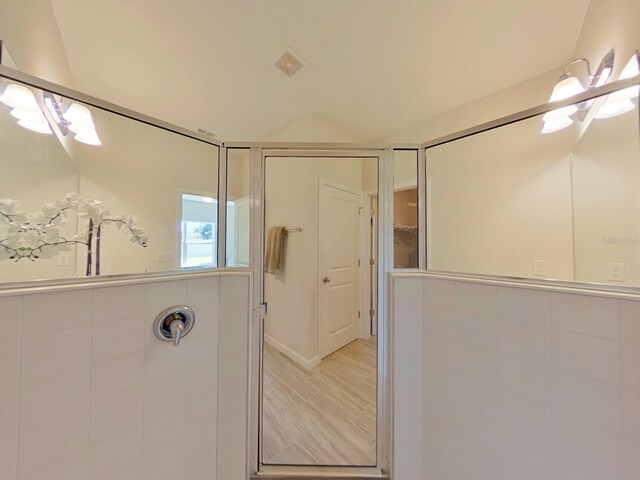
(75,118)
(622,101)
(25,108)
(569,86)
(81,123)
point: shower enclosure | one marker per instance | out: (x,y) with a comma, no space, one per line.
(502,301)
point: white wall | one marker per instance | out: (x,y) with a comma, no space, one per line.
(87,391)
(30,33)
(292,192)
(509,381)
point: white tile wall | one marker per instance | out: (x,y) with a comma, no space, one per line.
(88,393)
(516,383)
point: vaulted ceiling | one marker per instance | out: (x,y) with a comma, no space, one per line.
(375,66)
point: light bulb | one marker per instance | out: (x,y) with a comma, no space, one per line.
(556,124)
(36,126)
(89,139)
(17,96)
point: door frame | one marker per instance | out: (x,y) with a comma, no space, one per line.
(358,277)
(384,156)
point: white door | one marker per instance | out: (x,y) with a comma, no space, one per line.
(339,237)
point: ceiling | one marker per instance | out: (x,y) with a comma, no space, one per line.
(375,66)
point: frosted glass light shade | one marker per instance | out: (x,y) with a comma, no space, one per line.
(556,124)
(29,115)
(620,102)
(36,126)
(81,123)
(88,138)
(566,88)
(17,96)
(77,113)
(611,109)
(559,113)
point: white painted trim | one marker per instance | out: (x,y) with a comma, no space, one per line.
(293,355)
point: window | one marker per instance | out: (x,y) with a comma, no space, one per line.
(198,246)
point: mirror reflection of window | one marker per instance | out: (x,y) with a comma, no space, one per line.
(198,246)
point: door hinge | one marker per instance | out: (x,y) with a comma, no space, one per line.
(372,313)
(262,311)
(372,261)
(358,313)
(358,262)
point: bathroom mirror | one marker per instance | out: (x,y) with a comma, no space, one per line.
(87,192)
(560,204)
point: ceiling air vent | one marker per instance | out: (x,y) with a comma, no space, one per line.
(289,63)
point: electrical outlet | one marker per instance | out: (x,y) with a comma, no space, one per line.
(615,272)
(540,268)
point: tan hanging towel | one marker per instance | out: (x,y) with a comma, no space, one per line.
(274,249)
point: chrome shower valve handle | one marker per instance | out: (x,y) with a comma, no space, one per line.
(173,323)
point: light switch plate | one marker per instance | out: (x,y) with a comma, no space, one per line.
(540,268)
(614,272)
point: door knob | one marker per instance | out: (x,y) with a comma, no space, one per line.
(326,279)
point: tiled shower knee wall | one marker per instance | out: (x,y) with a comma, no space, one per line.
(88,392)
(509,382)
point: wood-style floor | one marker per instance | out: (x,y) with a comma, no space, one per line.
(322,416)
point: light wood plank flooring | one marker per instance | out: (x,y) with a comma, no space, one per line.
(322,416)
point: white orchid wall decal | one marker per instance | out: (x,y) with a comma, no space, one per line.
(38,236)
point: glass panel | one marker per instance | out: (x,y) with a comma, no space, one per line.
(88,192)
(405,209)
(560,203)
(320,357)
(238,207)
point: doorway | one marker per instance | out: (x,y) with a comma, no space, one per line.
(320,354)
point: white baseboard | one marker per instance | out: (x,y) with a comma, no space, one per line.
(295,356)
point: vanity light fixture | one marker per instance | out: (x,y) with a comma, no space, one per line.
(25,108)
(569,86)
(621,101)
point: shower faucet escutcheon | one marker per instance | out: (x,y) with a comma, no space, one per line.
(173,323)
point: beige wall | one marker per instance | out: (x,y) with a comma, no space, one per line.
(292,189)
(142,171)
(31,34)
(500,200)
(606,188)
